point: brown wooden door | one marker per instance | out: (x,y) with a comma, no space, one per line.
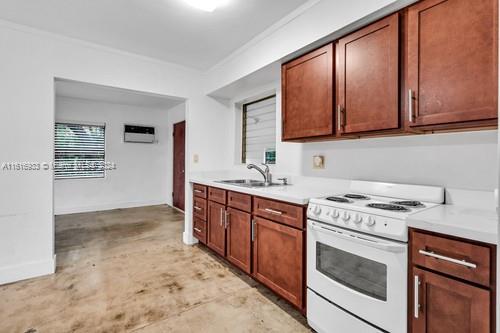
(277,259)
(447,305)
(307,95)
(239,246)
(179,181)
(216,236)
(368,74)
(452,61)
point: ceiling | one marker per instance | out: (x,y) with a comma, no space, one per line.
(75,89)
(169,30)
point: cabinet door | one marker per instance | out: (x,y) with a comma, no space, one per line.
(452,61)
(368,74)
(239,238)
(447,305)
(277,259)
(307,95)
(216,236)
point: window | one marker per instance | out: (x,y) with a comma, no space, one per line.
(79,151)
(259,131)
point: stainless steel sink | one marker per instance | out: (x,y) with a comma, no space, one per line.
(248,183)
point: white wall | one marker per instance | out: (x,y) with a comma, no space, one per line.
(29,61)
(142,174)
(466,160)
(174,115)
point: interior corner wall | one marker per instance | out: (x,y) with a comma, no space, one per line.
(142,170)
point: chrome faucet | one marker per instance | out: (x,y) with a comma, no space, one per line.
(264,172)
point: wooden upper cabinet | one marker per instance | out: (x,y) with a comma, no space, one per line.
(307,95)
(443,305)
(368,78)
(452,61)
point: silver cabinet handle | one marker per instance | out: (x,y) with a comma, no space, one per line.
(410,105)
(445,258)
(339,118)
(198,191)
(197,208)
(273,211)
(221,217)
(253,230)
(226,219)
(197,230)
(416,304)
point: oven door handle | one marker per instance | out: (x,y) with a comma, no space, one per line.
(359,239)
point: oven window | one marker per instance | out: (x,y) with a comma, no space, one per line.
(363,275)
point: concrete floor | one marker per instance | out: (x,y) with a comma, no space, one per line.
(128,270)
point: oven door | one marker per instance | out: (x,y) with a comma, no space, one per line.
(363,275)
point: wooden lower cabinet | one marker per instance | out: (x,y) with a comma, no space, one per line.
(448,305)
(216,235)
(278,259)
(238,249)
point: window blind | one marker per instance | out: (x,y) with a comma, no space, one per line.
(259,130)
(79,151)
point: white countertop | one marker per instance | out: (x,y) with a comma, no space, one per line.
(298,192)
(465,222)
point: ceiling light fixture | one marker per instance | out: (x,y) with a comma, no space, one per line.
(206,5)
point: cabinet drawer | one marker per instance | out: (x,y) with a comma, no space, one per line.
(279,211)
(200,230)
(240,201)
(200,191)
(217,195)
(200,208)
(458,258)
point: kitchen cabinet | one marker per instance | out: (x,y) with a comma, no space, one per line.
(278,253)
(239,239)
(368,76)
(448,305)
(452,284)
(307,95)
(262,237)
(452,63)
(216,235)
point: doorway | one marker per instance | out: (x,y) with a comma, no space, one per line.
(179,165)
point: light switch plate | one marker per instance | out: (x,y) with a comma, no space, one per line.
(195,158)
(318,162)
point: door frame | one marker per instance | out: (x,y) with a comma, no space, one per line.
(174,159)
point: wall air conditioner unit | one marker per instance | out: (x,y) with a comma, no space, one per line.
(141,134)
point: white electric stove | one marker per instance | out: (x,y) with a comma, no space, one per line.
(357,256)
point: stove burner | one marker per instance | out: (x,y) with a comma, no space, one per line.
(388,207)
(409,203)
(357,196)
(338,199)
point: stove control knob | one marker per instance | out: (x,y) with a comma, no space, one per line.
(371,221)
(335,214)
(358,219)
(316,210)
(346,216)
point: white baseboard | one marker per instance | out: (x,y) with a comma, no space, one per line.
(28,270)
(109,206)
(188,239)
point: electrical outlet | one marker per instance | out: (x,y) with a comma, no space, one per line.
(318,162)
(195,158)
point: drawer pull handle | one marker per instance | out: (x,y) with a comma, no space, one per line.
(198,191)
(197,208)
(197,230)
(416,303)
(445,258)
(273,211)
